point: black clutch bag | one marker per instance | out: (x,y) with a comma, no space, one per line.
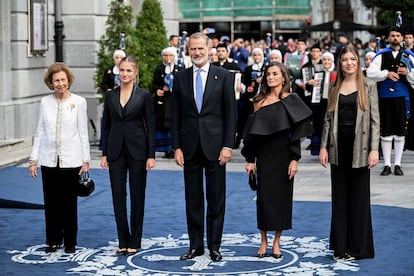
(253,181)
(86,185)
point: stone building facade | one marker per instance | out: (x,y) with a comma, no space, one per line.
(22,64)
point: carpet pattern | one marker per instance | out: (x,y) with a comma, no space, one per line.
(305,247)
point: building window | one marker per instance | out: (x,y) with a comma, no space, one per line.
(38,40)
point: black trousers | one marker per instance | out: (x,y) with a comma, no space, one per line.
(351,226)
(119,170)
(194,200)
(61,204)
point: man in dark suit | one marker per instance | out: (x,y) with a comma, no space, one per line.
(203,134)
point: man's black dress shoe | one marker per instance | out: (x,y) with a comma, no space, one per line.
(52,248)
(348,257)
(398,171)
(70,249)
(192,253)
(215,255)
(386,170)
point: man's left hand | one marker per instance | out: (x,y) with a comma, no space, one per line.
(225,156)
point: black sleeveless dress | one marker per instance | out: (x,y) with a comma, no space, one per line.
(272,140)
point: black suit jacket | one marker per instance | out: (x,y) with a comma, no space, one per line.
(135,128)
(108,79)
(215,126)
(162,104)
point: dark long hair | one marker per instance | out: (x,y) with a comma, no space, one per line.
(264,88)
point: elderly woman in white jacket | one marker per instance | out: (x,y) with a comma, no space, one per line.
(61,149)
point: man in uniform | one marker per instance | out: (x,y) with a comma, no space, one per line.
(392,68)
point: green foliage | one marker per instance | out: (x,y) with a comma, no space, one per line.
(386,10)
(119,21)
(152,36)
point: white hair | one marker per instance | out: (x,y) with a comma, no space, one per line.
(170,50)
(120,53)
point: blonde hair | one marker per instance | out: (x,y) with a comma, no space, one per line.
(56,68)
(361,86)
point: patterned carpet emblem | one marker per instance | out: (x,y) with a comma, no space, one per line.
(160,256)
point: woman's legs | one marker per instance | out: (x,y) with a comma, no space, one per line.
(276,243)
(263,245)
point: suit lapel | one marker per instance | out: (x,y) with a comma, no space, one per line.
(133,101)
(115,101)
(189,86)
(211,81)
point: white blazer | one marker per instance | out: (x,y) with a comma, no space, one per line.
(62,131)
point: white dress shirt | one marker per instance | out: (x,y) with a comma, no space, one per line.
(62,132)
(375,73)
(203,74)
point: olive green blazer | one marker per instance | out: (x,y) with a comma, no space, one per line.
(367,130)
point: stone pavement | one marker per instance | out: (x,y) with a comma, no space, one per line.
(312,182)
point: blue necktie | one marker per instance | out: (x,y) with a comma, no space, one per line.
(199,90)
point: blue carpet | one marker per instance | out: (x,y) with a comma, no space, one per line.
(305,247)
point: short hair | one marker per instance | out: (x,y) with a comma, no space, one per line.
(199,35)
(301,39)
(409,32)
(170,50)
(316,46)
(173,36)
(56,68)
(395,29)
(223,45)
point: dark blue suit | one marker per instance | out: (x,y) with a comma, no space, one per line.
(201,137)
(128,141)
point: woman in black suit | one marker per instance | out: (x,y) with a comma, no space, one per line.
(128,148)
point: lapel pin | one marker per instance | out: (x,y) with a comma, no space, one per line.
(215,77)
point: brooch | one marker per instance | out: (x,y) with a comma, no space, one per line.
(71,106)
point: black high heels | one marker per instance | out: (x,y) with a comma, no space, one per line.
(276,256)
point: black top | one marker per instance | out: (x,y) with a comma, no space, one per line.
(291,114)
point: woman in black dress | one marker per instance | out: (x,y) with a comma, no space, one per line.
(272,149)
(350,141)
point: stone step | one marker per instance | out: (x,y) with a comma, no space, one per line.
(14,151)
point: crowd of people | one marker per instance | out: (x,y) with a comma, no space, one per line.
(211,96)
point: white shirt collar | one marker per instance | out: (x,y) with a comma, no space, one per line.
(205,68)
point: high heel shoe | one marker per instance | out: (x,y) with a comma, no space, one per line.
(276,256)
(261,255)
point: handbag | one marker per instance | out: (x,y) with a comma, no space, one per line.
(86,185)
(253,181)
